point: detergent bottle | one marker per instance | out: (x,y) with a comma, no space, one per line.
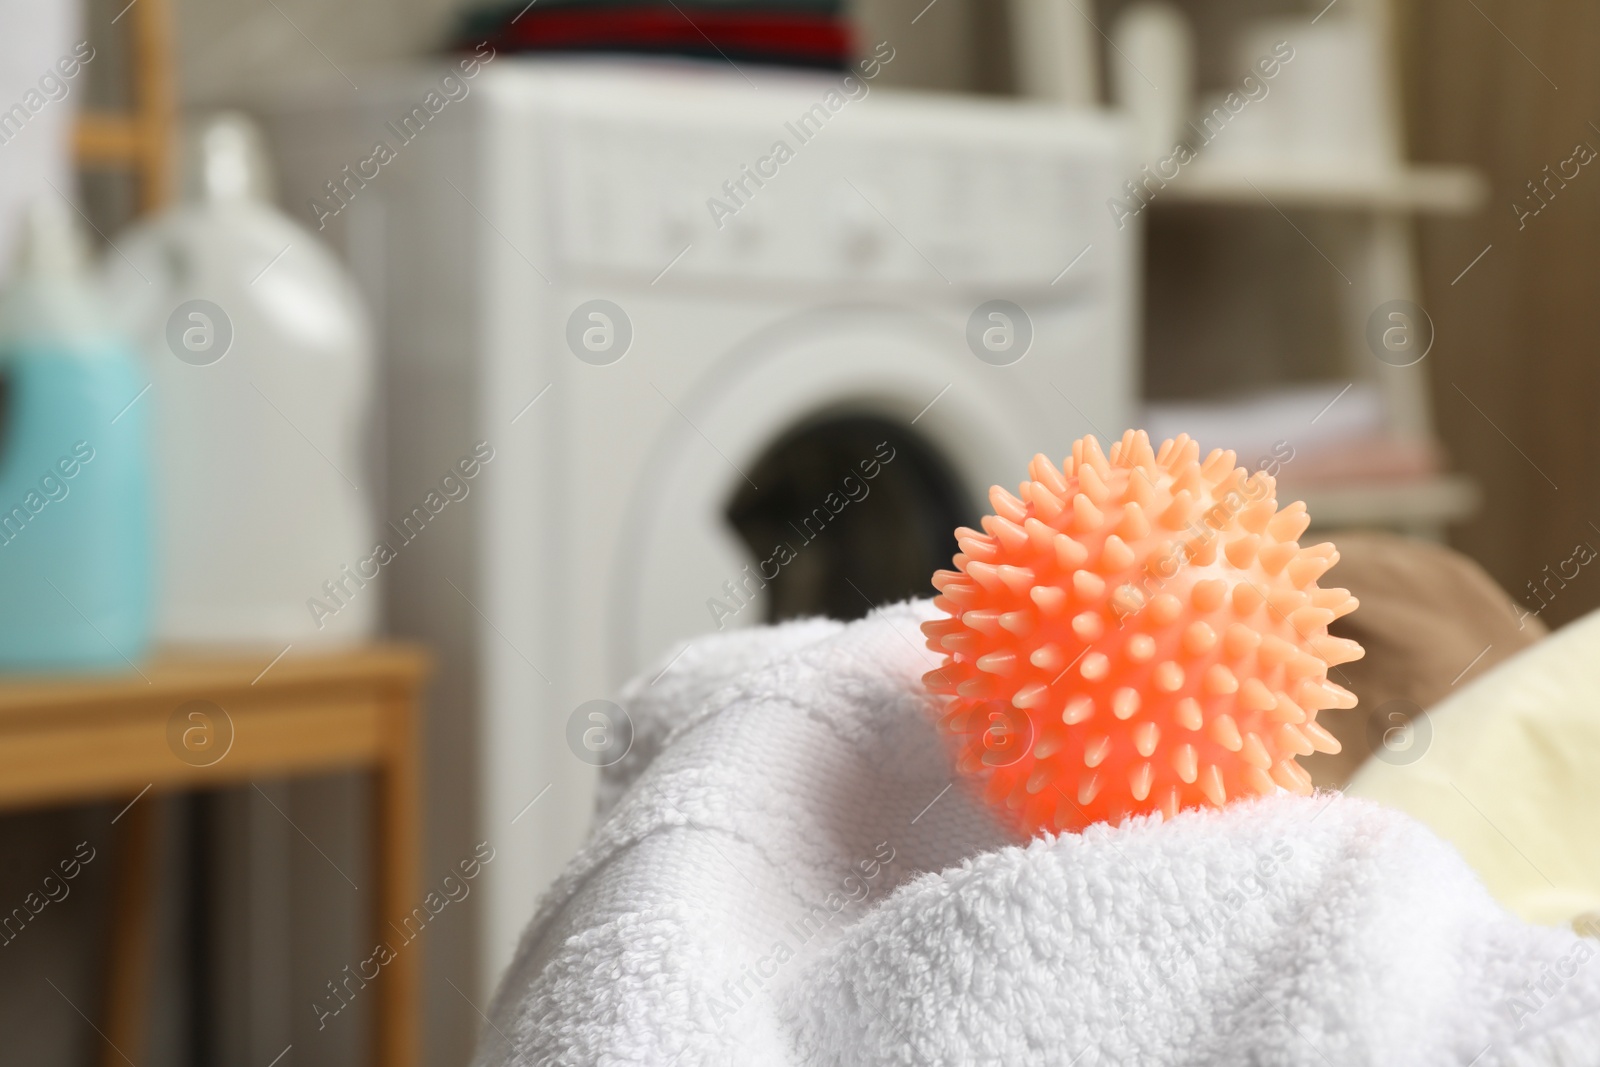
(261,352)
(75,523)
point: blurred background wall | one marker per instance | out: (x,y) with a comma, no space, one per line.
(1511,88)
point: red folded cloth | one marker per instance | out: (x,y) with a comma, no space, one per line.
(811,35)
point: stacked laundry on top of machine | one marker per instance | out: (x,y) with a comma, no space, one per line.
(803,33)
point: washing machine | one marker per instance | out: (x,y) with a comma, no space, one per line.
(674,317)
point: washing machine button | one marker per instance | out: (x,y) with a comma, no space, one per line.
(677,229)
(859,231)
(748,236)
(861,246)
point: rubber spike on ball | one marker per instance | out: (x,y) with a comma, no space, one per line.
(1136,630)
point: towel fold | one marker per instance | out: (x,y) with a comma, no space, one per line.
(785,873)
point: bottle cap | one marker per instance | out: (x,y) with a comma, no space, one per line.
(227,160)
(51,245)
(52,295)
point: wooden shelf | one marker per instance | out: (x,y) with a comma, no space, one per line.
(1432,189)
(108,140)
(140,139)
(177,673)
(1410,505)
(73,739)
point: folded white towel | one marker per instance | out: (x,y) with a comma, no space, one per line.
(785,874)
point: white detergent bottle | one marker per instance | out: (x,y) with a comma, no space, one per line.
(260,353)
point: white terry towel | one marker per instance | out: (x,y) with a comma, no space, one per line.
(784,874)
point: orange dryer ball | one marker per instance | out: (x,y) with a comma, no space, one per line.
(1137,633)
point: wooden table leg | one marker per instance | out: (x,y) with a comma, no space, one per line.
(397,859)
(129,969)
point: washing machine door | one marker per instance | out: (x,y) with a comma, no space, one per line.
(689,572)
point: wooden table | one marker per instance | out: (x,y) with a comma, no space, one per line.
(77,739)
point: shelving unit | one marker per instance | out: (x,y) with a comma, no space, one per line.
(1381,258)
(139,140)
(1416,507)
(1376,255)
(1436,189)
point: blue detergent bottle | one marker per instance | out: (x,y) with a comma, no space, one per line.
(75,538)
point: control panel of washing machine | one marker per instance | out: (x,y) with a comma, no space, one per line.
(880,200)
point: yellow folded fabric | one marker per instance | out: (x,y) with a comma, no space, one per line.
(1508,770)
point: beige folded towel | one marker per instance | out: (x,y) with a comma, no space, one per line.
(1430,619)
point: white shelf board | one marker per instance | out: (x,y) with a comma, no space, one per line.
(1431,502)
(1426,188)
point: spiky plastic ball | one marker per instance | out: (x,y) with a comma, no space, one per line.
(1136,633)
